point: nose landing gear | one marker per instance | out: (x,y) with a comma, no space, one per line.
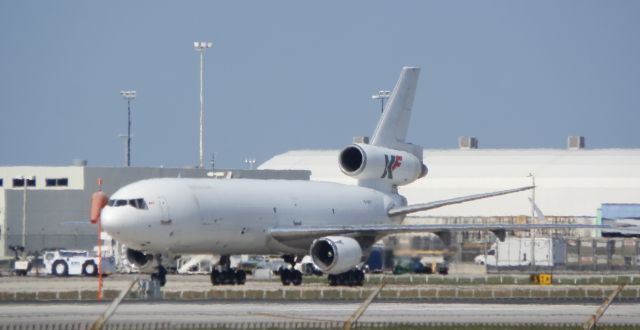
(160,276)
(223,273)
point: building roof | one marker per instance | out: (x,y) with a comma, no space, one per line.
(569,182)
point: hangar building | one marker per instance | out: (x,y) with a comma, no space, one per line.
(571,184)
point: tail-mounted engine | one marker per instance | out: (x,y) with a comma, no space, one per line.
(336,254)
(368,162)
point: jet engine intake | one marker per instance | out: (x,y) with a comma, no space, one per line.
(336,254)
(144,262)
(366,162)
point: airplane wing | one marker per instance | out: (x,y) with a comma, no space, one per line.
(295,232)
(286,233)
(402,210)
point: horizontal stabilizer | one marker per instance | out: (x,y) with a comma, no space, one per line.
(434,205)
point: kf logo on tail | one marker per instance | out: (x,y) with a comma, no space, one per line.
(392,162)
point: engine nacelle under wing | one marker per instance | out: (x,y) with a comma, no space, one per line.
(336,254)
(144,262)
(368,162)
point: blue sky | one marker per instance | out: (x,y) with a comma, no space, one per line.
(288,75)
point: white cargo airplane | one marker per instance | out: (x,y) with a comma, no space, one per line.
(335,224)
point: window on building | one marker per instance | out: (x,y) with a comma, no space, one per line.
(19,182)
(1,182)
(62,182)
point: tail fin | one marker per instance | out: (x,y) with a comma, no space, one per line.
(391,131)
(388,161)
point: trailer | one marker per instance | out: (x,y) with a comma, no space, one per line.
(516,252)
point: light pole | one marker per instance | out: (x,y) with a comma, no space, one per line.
(250,161)
(128,95)
(533,215)
(201,46)
(382,95)
(25,182)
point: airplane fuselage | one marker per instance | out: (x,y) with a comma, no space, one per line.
(235,216)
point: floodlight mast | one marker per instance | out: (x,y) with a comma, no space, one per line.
(382,95)
(128,95)
(250,162)
(201,46)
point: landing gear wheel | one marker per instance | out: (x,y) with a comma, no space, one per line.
(215,277)
(358,277)
(333,280)
(296,277)
(354,277)
(290,276)
(285,276)
(89,268)
(223,274)
(240,277)
(230,277)
(160,276)
(60,268)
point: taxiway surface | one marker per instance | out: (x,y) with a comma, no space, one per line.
(406,312)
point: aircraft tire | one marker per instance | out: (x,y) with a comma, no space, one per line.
(89,268)
(333,280)
(296,277)
(228,277)
(285,276)
(215,277)
(359,276)
(353,277)
(160,276)
(60,268)
(240,277)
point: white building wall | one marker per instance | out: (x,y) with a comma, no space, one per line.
(3,222)
(74,174)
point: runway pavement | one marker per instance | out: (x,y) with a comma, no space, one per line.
(252,312)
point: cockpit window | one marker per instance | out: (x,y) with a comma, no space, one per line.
(142,204)
(138,203)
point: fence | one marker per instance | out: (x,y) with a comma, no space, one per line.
(584,254)
(569,255)
(308,325)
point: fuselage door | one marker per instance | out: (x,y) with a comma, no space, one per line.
(165,216)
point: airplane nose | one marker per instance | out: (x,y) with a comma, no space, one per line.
(108,219)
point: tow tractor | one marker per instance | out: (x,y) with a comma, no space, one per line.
(75,262)
(21,266)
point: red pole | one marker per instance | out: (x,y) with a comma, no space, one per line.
(99,261)
(99,249)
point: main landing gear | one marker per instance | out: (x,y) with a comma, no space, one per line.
(160,275)
(290,275)
(354,277)
(223,273)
